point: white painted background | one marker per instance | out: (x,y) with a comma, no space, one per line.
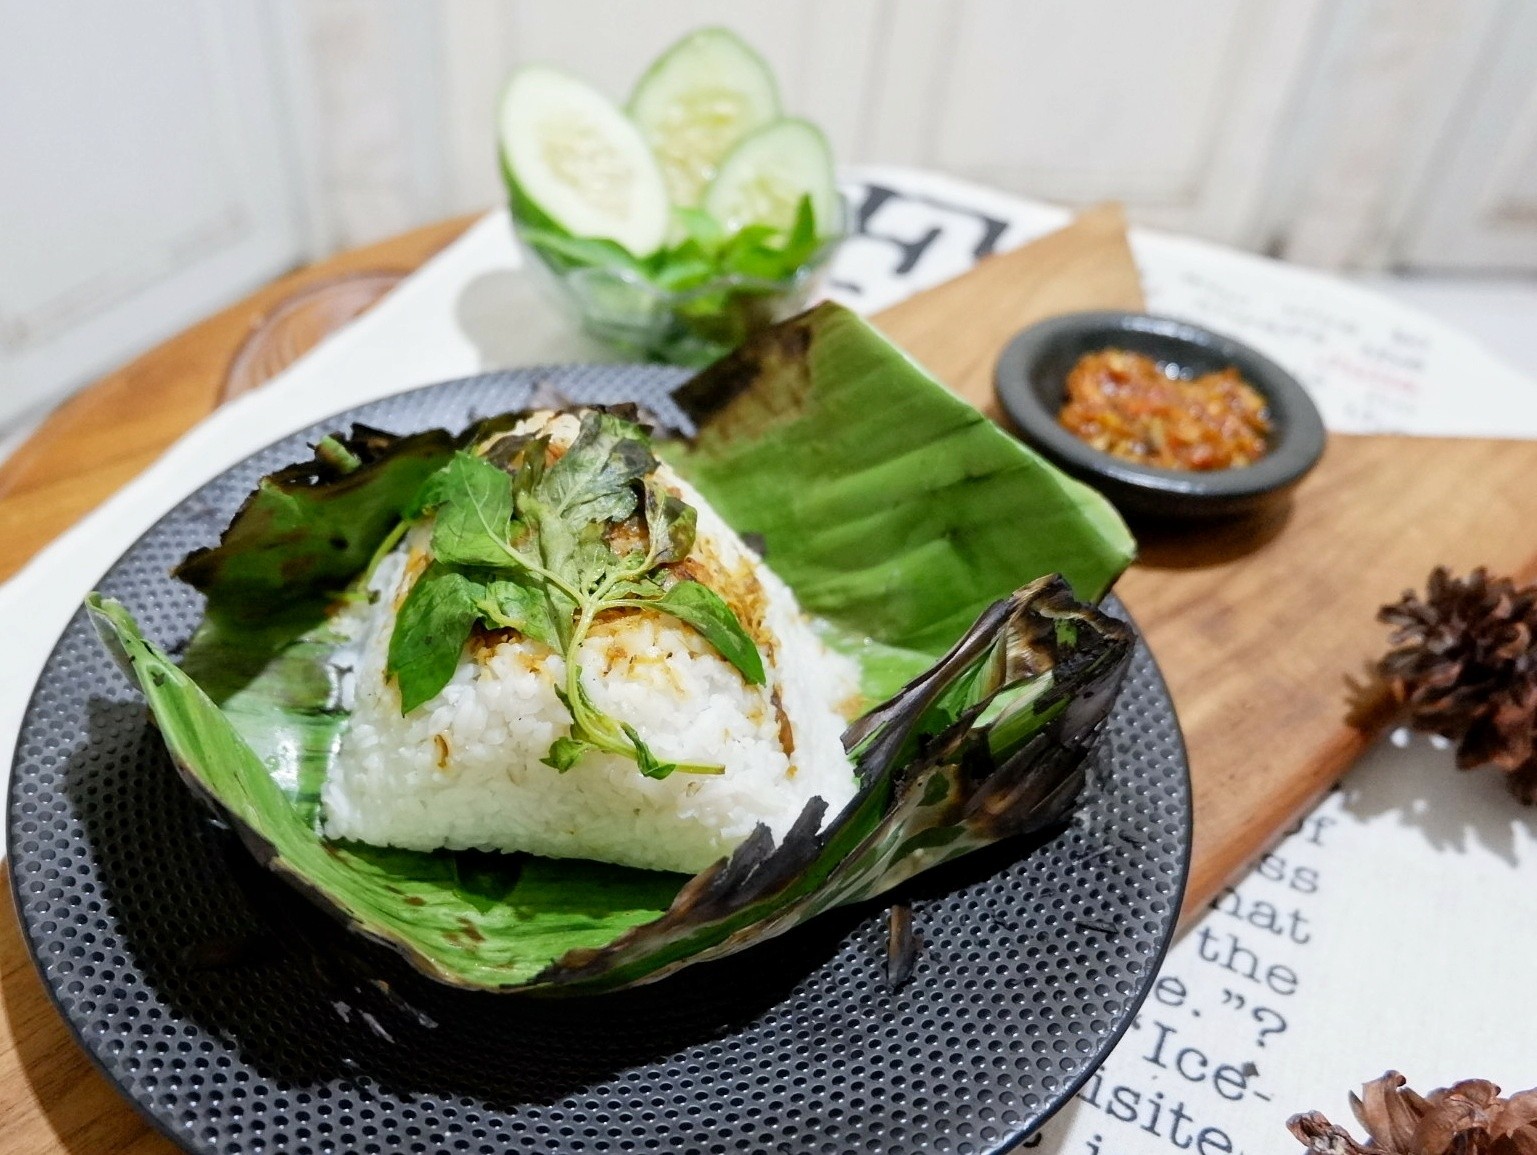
(160,157)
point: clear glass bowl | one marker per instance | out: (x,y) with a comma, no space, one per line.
(643,321)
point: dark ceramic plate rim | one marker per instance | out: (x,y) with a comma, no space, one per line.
(1293,455)
(162,1119)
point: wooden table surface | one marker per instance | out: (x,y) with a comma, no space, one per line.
(1256,626)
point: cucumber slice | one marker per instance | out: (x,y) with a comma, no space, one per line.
(572,158)
(700,98)
(762,180)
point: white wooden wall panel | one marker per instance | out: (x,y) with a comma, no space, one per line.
(1172,107)
(477,50)
(1515,175)
(146,180)
(375,87)
(823,55)
(1010,108)
(915,40)
(1478,204)
(1341,167)
(1376,122)
(1310,128)
(158,157)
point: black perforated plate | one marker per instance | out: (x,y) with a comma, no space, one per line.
(240,1019)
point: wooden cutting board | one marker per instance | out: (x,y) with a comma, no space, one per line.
(1255,627)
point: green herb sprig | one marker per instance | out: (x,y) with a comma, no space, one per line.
(530,551)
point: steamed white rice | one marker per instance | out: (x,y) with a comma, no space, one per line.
(463,770)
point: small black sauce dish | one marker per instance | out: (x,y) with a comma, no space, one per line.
(1031,378)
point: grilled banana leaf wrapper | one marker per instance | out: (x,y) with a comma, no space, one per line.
(895,512)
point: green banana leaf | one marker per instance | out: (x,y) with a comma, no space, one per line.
(985,741)
(891,507)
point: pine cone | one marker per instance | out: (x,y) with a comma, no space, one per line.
(1467,1119)
(1465,667)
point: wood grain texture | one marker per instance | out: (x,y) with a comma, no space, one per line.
(1259,631)
(957,329)
(1256,627)
(52,1099)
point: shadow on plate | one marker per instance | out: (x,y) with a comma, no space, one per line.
(511,320)
(1196,545)
(230,949)
(1454,811)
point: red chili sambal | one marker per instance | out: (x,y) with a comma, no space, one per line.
(1126,403)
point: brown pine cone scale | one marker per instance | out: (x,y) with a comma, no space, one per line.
(1469,1118)
(1464,666)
